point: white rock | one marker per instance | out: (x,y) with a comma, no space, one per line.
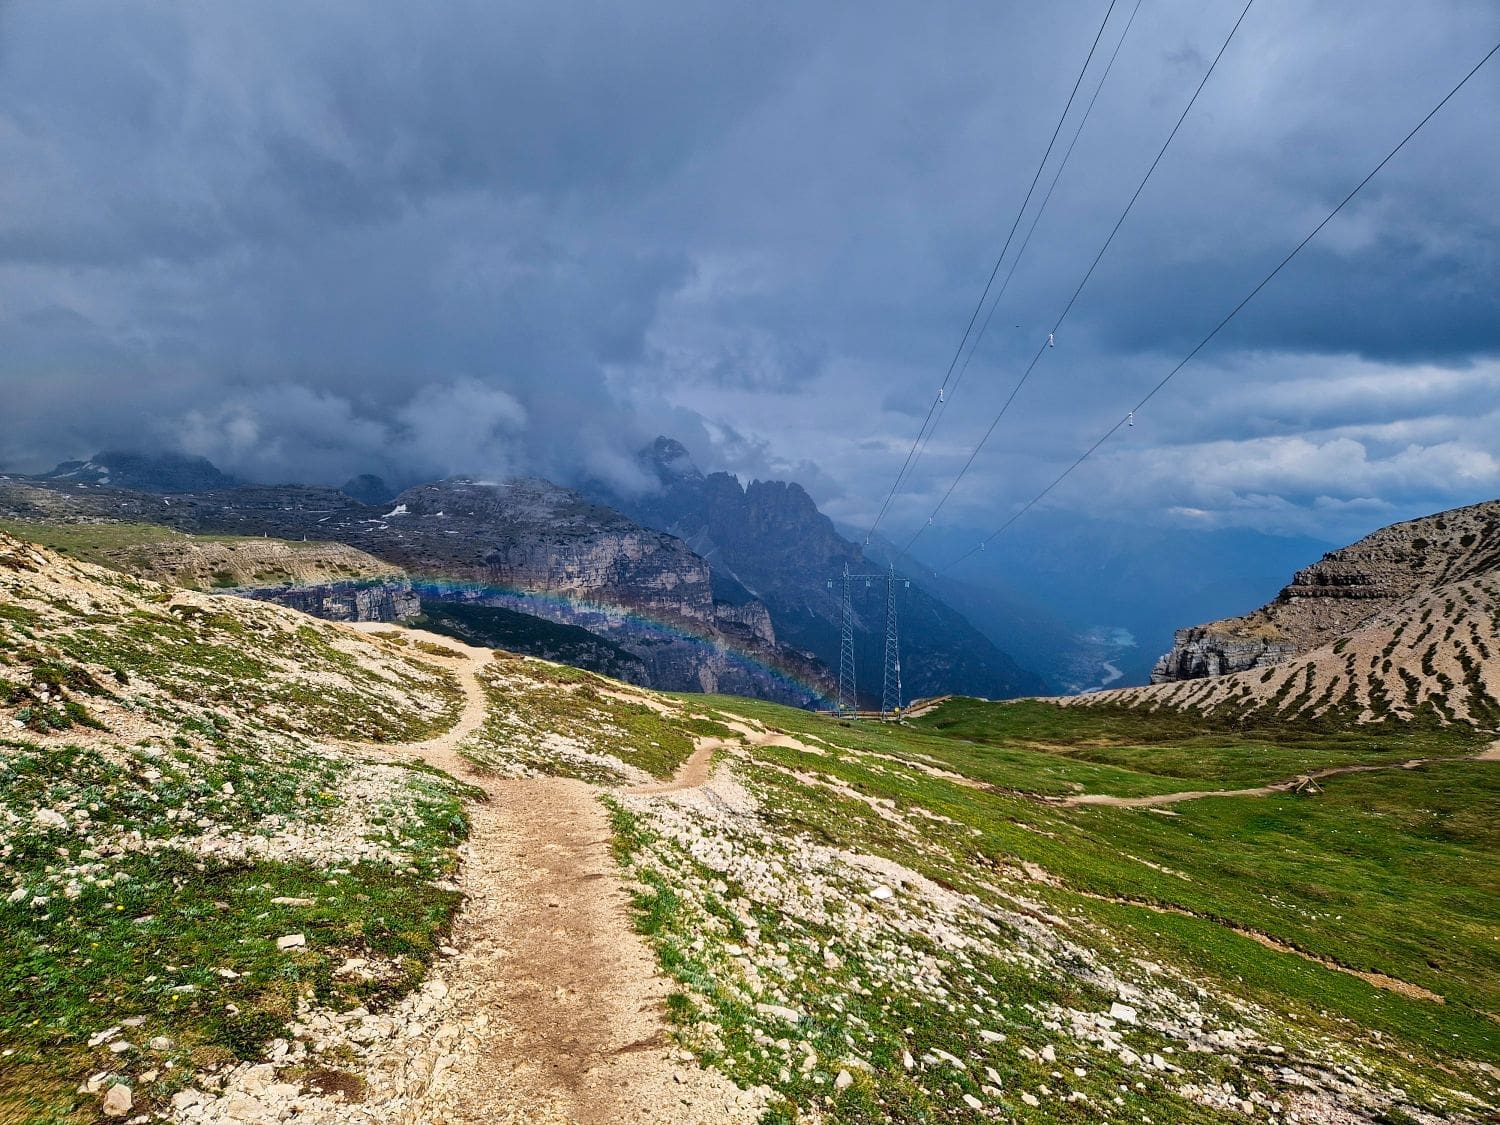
(117,1101)
(843,1081)
(991,1036)
(257,1078)
(882,892)
(1049,1053)
(104,1036)
(1030,1099)
(791,1015)
(291,941)
(1122,1012)
(972,1102)
(49,818)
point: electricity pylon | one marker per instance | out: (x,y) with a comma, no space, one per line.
(848,701)
(890,694)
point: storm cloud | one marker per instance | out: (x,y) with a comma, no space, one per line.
(308,241)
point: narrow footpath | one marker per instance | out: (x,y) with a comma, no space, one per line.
(567,996)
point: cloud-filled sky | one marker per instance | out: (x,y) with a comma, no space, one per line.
(314,240)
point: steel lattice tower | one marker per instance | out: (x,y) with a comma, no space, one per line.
(848,701)
(890,695)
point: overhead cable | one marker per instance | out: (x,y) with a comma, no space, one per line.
(1025,242)
(1219,327)
(974,317)
(1048,342)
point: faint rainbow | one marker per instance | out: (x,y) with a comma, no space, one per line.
(457,591)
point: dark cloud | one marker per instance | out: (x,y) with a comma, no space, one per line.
(314,240)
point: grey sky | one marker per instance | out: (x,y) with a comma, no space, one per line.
(314,240)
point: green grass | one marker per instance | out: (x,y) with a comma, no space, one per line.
(1393,872)
(522,726)
(96,932)
(851,1016)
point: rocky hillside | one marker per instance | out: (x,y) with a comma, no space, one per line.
(1341,592)
(328,580)
(770,539)
(1434,655)
(524,545)
(178,827)
(239,882)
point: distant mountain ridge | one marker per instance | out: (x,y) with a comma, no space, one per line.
(526,545)
(742,568)
(144,472)
(770,538)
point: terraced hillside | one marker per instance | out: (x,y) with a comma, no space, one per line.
(1433,656)
(1022,912)
(1345,590)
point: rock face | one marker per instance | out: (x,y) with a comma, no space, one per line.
(770,541)
(1341,592)
(379,600)
(1200,651)
(525,545)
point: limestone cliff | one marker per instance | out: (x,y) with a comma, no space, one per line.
(525,545)
(1341,592)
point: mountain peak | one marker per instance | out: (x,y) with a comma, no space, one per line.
(669,459)
(144,472)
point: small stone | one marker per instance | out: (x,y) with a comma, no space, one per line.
(117,1101)
(289,900)
(291,941)
(1030,1099)
(972,1102)
(1122,1012)
(882,892)
(991,1036)
(257,1078)
(1049,1053)
(843,1081)
(791,1015)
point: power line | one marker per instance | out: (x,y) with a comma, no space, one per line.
(1025,242)
(1170,375)
(896,484)
(1046,344)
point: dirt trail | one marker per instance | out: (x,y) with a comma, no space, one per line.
(1155,800)
(573,1000)
(697,771)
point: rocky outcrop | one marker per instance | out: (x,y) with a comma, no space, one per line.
(387,600)
(367,488)
(228,564)
(1199,652)
(1341,592)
